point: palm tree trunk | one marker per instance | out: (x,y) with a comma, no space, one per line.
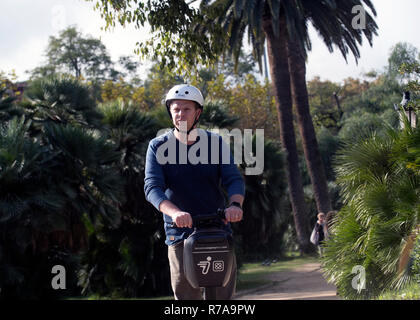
(279,71)
(297,68)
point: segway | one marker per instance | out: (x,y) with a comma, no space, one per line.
(208,254)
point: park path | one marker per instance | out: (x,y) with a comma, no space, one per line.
(305,282)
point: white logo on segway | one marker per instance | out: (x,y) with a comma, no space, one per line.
(218,266)
(205,265)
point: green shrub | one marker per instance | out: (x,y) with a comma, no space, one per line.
(415,258)
(381,201)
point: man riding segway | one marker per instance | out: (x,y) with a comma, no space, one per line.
(183,189)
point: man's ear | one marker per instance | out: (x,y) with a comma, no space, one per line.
(200,112)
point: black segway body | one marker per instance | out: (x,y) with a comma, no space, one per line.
(208,256)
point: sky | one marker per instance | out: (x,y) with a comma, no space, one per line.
(26,25)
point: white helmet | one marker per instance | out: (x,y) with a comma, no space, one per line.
(184,92)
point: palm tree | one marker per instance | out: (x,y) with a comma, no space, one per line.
(8,108)
(334,23)
(48,188)
(379,222)
(284,26)
(61,100)
(277,57)
(58,175)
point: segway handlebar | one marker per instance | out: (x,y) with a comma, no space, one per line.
(219,214)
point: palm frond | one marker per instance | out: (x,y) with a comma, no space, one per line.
(376,225)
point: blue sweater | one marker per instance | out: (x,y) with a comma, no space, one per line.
(193,187)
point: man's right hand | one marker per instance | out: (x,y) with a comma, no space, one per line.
(182,219)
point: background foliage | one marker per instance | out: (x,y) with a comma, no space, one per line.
(72,152)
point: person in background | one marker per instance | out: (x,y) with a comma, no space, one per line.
(322,230)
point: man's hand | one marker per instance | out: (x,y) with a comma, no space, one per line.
(182,219)
(233,214)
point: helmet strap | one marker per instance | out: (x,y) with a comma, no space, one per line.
(194,124)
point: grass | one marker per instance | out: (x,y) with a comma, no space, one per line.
(411,292)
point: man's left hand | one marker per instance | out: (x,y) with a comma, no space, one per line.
(233,214)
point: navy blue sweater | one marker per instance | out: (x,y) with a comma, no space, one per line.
(193,187)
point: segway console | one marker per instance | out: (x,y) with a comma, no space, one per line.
(208,252)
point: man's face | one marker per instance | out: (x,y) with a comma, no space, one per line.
(184,110)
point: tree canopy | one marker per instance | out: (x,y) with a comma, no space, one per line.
(76,54)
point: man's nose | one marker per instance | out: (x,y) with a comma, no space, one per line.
(181,113)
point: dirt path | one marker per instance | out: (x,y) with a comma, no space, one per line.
(303,283)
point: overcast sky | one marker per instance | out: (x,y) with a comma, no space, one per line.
(25,27)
